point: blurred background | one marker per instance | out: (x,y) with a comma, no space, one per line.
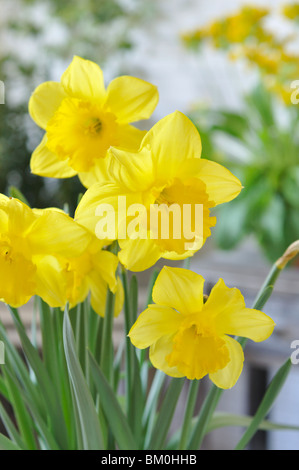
(232,68)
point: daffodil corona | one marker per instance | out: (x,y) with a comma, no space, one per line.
(163,179)
(82,120)
(192,338)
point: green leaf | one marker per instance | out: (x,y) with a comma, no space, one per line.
(112,410)
(222,419)
(46,385)
(92,438)
(7,444)
(266,404)
(10,427)
(16,193)
(166,413)
(204,417)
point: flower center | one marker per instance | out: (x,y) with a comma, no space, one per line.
(179,217)
(81,132)
(93,126)
(197,350)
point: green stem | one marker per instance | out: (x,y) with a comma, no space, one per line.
(204,417)
(190,406)
(107,342)
(129,348)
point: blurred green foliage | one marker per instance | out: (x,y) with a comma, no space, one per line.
(260,145)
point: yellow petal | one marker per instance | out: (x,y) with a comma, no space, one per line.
(104,195)
(231,316)
(132,171)
(228,376)
(44,101)
(159,351)
(70,239)
(84,79)
(50,281)
(130,137)
(17,279)
(105,263)
(171,141)
(45,163)
(138,255)
(96,174)
(20,216)
(221,184)
(153,323)
(99,289)
(131,99)
(180,289)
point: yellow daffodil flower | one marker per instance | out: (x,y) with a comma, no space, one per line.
(93,272)
(191,338)
(166,171)
(27,238)
(291,11)
(82,120)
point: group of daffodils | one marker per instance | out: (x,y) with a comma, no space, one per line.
(245,35)
(46,252)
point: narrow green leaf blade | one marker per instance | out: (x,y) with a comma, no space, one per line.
(166,413)
(90,427)
(266,404)
(114,414)
(7,444)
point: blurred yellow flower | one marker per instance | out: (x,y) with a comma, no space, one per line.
(291,11)
(82,120)
(166,171)
(27,238)
(191,338)
(244,36)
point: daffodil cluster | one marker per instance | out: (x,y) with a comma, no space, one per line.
(44,252)
(159,173)
(244,36)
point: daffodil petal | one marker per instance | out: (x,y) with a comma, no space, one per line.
(20,216)
(45,163)
(131,99)
(153,323)
(246,322)
(158,354)
(17,280)
(138,255)
(99,289)
(133,171)
(44,101)
(96,174)
(106,264)
(130,137)
(179,288)
(172,141)
(221,185)
(70,239)
(50,281)
(227,306)
(108,198)
(84,79)
(228,376)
